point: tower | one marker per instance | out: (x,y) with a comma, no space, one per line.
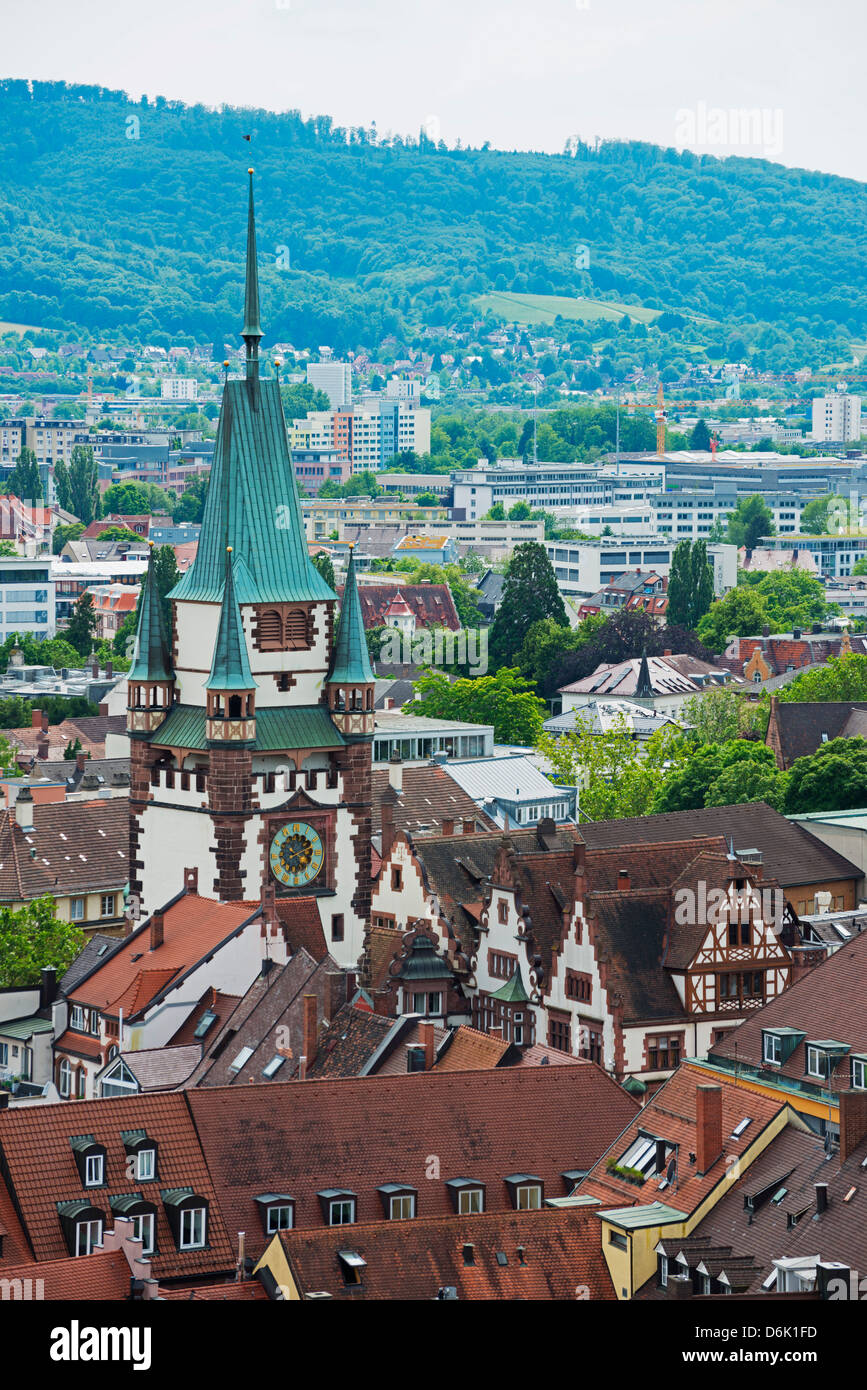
(254,765)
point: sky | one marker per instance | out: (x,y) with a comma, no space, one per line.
(779,79)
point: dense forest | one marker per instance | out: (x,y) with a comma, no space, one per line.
(126,216)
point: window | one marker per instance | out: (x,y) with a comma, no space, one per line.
(528,1197)
(816,1062)
(772,1048)
(402,1208)
(471,1201)
(88,1234)
(341,1212)
(579,986)
(502,910)
(663,1271)
(617,1239)
(396,878)
(76,909)
(501,965)
(859,1074)
(143,1230)
(94,1168)
(560,1032)
(145,1165)
(279,1219)
(106,905)
(337,926)
(4,1054)
(64,1077)
(192,1229)
(77,1019)
(663,1052)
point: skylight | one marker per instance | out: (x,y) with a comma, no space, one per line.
(741,1126)
(242,1058)
(273,1066)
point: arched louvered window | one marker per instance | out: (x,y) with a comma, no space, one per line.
(270,630)
(296,628)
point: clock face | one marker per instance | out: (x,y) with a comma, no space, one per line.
(297,854)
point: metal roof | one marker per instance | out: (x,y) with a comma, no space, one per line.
(304,726)
(25,1028)
(503,779)
(634,1218)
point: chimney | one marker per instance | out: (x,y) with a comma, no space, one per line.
(4,1099)
(24,809)
(448,826)
(821,1198)
(796,633)
(667,652)
(579,855)
(426,1040)
(36,719)
(469,827)
(94,668)
(388,703)
(47,988)
(109,669)
(853,1121)
(766,631)
(302,1069)
(42,745)
(239,1274)
(191,880)
(623,880)
(311,1009)
(44,722)
(387,816)
(80,761)
(708,1127)
(395,772)
(157,930)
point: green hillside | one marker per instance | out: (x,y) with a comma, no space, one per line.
(130,217)
(545,308)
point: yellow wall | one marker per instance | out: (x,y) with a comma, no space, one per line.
(275,1260)
(804,1105)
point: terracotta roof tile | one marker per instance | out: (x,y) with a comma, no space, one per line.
(81,846)
(428,797)
(102,1277)
(470,1050)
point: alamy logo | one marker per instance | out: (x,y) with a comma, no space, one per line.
(706,127)
(77,1343)
(441,648)
(22,1290)
(709,909)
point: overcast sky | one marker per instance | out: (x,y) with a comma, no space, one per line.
(521,75)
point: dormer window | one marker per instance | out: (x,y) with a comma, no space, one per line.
(187,1214)
(141,1155)
(78,1019)
(94,1170)
(89,1159)
(398,1201)
(277,1210)
(82,1226)
(467,1196)
(525,1190)
(817,1063)
(338,1206)
(772,1048)
(858,1077)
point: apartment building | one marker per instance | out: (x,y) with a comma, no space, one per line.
(584,567)
(366,437)
(691,515)
(835,555)
(836,418)
(27,601)
(335,379)
(179,388)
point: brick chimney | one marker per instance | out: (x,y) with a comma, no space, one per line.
(191,880)
(853,1121)
(36,719)
(448,826)
(44,722)
(157,930)
(311,1029)
(80,761)
(387,816)
(426,1040)
(579,855)
(623,880)
(708,1127)
(667,652)
(42,745)
(469,827)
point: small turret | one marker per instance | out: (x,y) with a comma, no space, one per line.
(350,677)
(151,679)
(231,707)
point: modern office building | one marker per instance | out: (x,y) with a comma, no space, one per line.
(584,567)
(335,379)
(557,487)
(367,438)
(836,418)
(26,597)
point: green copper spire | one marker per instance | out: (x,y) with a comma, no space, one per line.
(350,662)
(230,668)
(513,991)
(152,661)
(251,332)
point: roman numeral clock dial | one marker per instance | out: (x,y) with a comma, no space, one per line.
(297,854)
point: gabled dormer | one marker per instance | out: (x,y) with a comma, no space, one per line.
(231,699)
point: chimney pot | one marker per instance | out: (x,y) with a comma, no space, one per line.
(708,1125)
(426,1040)
(395,772)
(821,1198)
(157,930)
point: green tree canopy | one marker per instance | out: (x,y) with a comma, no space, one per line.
(690,584)
(33,938)
(325,565)
(82,626)
(84,484)
(24,480)
(504,700)
(749,522)
(718,774)
(842,678)
(833,778)
(530,593)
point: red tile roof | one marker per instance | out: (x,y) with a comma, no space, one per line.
(248,1291)
(431,604)
(135,975)
(410,1260)
(81,846)
(101,1277)
(470,1050)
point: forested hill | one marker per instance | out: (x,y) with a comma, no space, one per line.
(130,216)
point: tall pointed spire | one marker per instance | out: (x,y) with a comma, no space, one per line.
(230,668)
(350,662)
(152,661)
(644,689)
(251,332)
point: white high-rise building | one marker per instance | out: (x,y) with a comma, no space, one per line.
(335,379)
(179,388)
(837,418)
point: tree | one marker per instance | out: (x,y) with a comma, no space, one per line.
(83,484)
(530,592)
(82,625)
(622,637)
(742,613)
(749,522)
(614,776)
(504,700)
(721,715)
(831,779)
(72,750)
(118,533)
(700,436)
(842,678)
(793,598)
(136,499)
(24,480)
(62,534)
(7,549)
(324,564)
(62,487)
(814,517)
(690,584)
(718,774)
(860,565)
(190,505)
(32,939)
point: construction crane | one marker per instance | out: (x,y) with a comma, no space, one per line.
(659,409)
